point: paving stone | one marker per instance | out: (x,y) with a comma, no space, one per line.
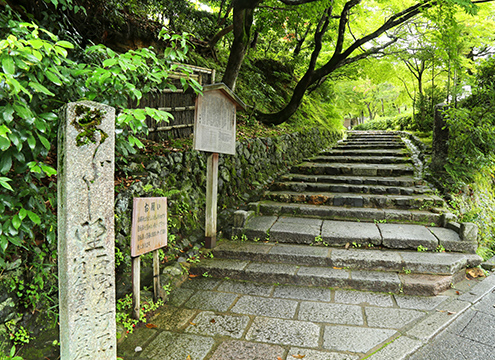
(375,281)
(217,267)
(299,221)
(286,232)
(402,236)
(139,337)
(210,324)
(434,323)
(433,263)
(331,313)
(340,233)
(476,330)
(419,302)
(210,300)
(354,339)
(297,254)
(391,318)
(242,350)
(363,298)
(399,349)
(253,305)
(366,259)
(179,296)
(201,284)
(319,355)
(320,276)
(478,291)
(172,346)
(172,318)
(451,241)
(284,332)
(303,293)
(248,288)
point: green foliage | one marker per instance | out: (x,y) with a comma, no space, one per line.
(38,76)
(124,308)
(12,355)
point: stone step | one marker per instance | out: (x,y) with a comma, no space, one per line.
(360,159)
(293,274)
(368,152)
(334,233)
(359,145)
(313,168)
(347,188)
(371,142)
(344,213)
(354,258)
(418,201)
(402,181)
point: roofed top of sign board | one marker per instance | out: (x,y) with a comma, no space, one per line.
(239,105)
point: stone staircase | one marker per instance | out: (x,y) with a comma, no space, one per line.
(355,216)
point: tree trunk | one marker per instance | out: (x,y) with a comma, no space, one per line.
(243,20)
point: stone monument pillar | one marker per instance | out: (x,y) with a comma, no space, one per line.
(440,147)
(86,235)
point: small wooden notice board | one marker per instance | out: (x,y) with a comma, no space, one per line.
(149,233)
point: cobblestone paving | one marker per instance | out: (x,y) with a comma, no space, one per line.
(233,320)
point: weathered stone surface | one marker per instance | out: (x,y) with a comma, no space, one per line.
(318,276)
(354,339)
(366,259)
(258,226)
(201,284)
(298,254)
(399,349)
(331,313)
(375,281)
(340,233)
(86,235)
(391,318)
(433,263)
(297,233)
(284,332)
(172,318)
(210,300)
(173,346)
(241,250)
(433,324)
(363,298)
(425,285)
(451,241)
(319,355)
(469,232)
(248,288)
(401,236)
(419,302)
(243,350)
(266,272)
(303,293)
(253,305)
(210,324)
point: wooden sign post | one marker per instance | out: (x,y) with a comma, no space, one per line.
(149,233)
(214,132)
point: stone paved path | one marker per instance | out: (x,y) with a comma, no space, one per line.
(233,320)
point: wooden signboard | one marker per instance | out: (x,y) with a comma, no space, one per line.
(214,132)
(214,121)
(149,225)
(149,233)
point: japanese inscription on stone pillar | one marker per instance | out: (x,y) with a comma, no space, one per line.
(86,236)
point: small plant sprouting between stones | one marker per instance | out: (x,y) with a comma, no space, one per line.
(267,237)
(406,271)
(422,248)
(440,248)
(319,241)
(19,336)
(206,275)
(356,245)
(124,308)
(382,221)
(256,239)
(244,237)
(234,238)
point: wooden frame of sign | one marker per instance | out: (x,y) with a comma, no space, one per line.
(214,132)
(149,233)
